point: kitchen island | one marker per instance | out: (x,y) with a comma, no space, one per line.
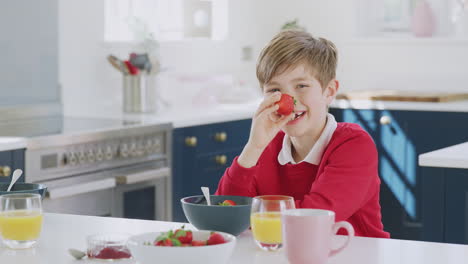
(447,203)
(61,232)
(450,157)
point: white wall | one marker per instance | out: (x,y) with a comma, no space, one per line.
(91,85)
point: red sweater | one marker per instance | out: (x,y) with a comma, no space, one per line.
(346,181)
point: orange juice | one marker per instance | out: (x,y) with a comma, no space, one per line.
(20,225)
(266,227)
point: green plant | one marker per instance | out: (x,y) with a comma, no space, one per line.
(292,25)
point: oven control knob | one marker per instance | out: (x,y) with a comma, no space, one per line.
(140,150)
(82,158)
(72,159)
(99,155)
(133,150)
(157,145)
(148,143)
(109,153)
(91,156)
(124,150)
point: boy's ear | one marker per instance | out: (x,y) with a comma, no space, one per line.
(332,90)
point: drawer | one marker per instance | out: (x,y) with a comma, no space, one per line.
(210,168)
(214,137)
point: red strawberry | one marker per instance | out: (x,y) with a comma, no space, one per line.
(184,236)
(167,240)
(286,104)
(228,203)
(215,238)
(198,243)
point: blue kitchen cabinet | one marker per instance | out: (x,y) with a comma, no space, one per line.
(201,154)
(456,205)
(9,161)
(410,199)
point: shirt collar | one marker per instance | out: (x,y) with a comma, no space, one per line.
(315,154)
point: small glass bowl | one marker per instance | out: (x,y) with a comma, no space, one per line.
(108,246)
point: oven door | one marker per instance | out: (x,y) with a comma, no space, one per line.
(144,192)
(90,194)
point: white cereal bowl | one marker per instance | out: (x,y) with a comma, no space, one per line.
(212,254)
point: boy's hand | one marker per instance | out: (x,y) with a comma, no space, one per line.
(266,123)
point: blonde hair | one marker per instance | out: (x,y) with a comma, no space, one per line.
(291,47)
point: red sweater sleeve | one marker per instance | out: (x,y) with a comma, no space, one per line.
(349,179)
(238,180)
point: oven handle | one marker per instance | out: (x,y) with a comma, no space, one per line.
(81,188)
(142,176)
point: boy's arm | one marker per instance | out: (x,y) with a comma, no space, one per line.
(349,180)
(238,180)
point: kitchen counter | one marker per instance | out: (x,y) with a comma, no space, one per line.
(450,157)
(12,143)
(189,116)
(61,232)
(455,106)
(215,113)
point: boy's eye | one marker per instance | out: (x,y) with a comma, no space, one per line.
(272,90)
(301,85)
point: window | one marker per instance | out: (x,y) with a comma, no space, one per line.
(135,20)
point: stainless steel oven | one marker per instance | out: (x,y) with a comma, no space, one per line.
(101,167)
(140,192)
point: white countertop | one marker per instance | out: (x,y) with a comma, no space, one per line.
(187,116)
(455,106)
(12,143)
(61,232)
(450,157)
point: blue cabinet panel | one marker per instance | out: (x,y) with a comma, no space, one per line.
(14,159)
(456,206)
(410,200)
(433,206)
(202,164)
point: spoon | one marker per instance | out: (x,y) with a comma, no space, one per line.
(77,254)
(16,174)
(206,193)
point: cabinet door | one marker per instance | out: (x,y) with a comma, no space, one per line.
(196,165)
(429,131)
(13,159)
(411,201)
(400,188)
(456,206)
(6,160)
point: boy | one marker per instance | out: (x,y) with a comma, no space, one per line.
(306,154)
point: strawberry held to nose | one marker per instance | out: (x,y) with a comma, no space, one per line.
(286,104)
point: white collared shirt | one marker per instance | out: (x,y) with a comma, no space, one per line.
(315,154)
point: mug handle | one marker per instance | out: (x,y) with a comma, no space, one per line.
(349,228)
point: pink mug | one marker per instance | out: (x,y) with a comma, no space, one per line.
(307,235)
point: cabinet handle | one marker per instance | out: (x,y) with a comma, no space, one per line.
(5,171)
(385,120)
(191,141)
(221,159)
(221,136)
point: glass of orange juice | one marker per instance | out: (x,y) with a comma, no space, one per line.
(20,219)
(265,220)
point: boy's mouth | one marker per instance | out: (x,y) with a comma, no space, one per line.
(298,114)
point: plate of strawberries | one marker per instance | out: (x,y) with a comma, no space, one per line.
(182,245)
